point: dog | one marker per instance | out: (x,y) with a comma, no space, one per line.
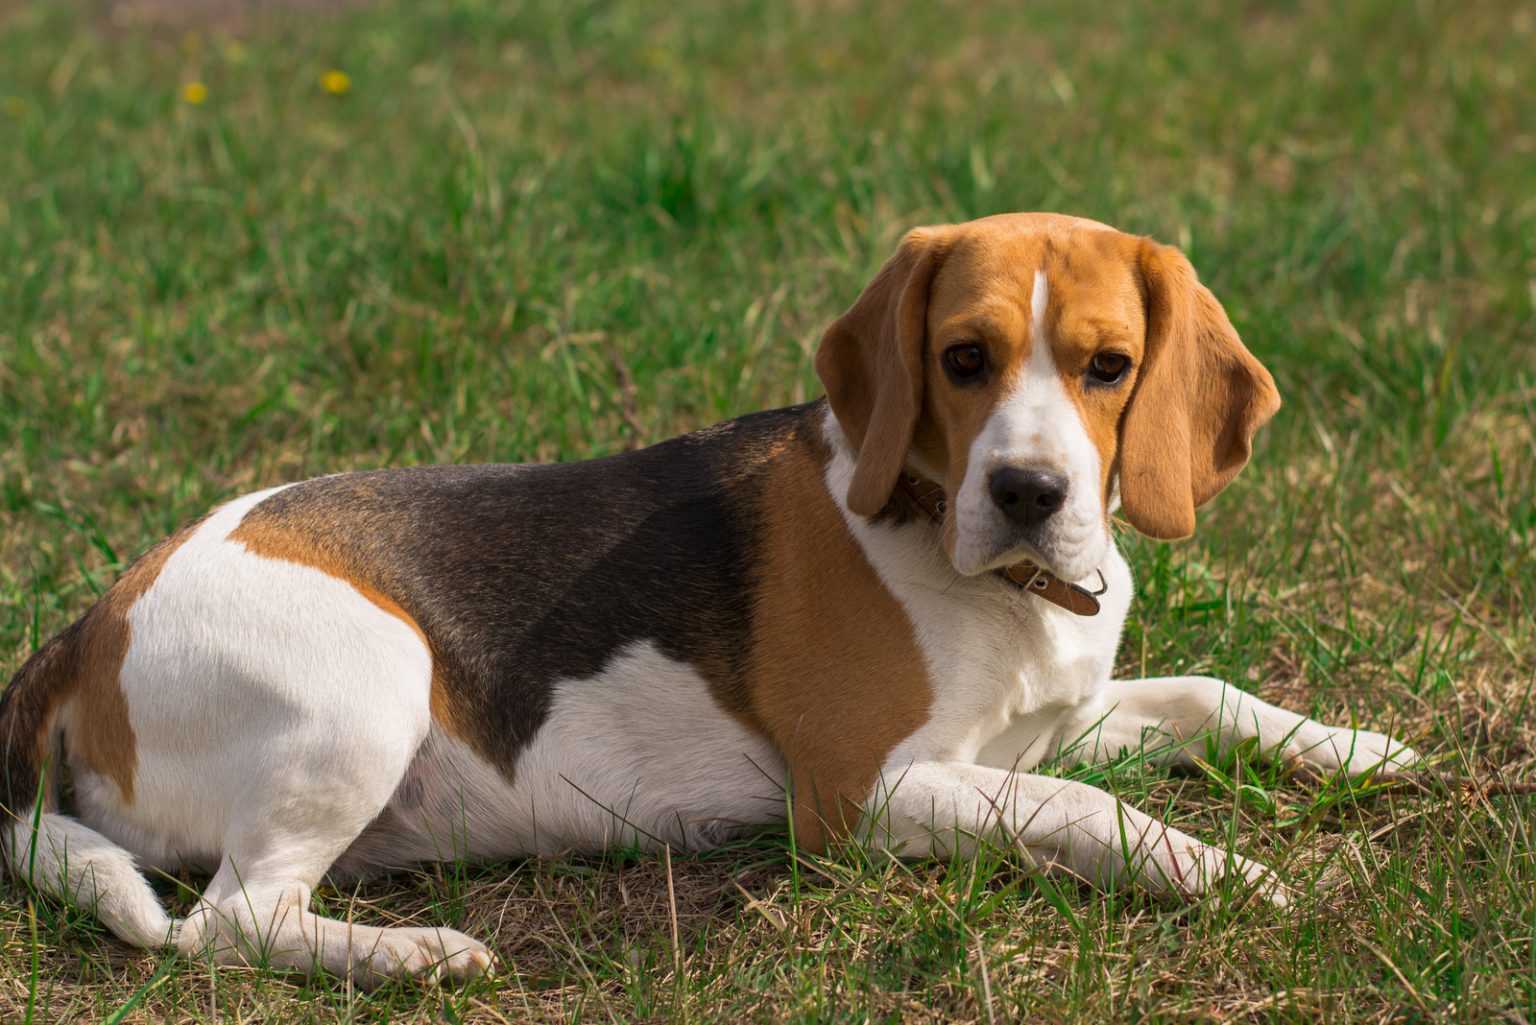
(869,615)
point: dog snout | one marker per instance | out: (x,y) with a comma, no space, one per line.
(1028,495)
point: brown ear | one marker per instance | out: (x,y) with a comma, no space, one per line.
(871,362)
(1199,397)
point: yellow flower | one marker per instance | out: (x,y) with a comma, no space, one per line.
(336,82)
(194,92)
(234,51)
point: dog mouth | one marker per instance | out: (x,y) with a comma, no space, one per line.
(975,559)
(1069,559)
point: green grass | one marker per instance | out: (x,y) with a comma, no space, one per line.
(551,230)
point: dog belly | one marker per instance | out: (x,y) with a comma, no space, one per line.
(638,755)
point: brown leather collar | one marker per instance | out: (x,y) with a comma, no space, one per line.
(929,497)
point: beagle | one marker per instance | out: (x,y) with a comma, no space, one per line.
(871,615)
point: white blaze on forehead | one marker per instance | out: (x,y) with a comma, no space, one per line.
(1038,299)
(1040,384)
(1035,426)
(1036,423)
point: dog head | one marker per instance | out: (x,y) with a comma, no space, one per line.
(1039,366)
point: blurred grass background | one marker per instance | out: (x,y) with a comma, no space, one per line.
(540,230)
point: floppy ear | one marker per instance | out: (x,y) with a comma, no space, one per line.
(871,362)
(1199,397)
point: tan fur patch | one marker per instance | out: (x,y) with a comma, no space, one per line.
(836,677)
(98,730)
(289,541)
(1200,396)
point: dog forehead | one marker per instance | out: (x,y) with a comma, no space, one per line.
(988,278)
(1095,292)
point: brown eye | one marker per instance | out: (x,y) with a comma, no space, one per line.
(1108,367)
(965,360)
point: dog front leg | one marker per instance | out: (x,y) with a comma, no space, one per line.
(1178,719)
(940,808)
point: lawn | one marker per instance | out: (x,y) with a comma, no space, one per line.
(559,228)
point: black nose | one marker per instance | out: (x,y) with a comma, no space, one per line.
(1028,496)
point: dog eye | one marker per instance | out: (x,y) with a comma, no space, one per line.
(965,360)
(1109,367)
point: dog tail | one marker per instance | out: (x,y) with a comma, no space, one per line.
(42,847)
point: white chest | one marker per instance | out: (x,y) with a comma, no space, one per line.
(997,656)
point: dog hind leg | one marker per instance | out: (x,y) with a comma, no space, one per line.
(329,778)
(259,915)
(285,707)
(70,860)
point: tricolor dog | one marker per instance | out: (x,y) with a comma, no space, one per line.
(872,613)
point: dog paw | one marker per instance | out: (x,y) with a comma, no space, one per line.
(1215,864)
(429,955)
(1181,866)
(1356,752)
